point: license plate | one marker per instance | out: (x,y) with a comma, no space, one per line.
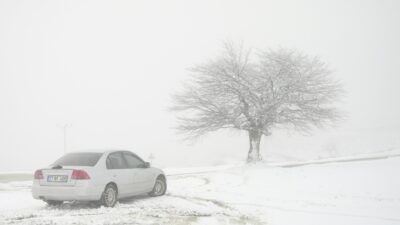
(57,178)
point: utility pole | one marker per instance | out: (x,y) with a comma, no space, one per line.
(65,129)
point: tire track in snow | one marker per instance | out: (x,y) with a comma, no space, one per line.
(228,211)
(169,209)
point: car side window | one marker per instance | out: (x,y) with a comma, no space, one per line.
(115,161)
(133,161)
(108,163)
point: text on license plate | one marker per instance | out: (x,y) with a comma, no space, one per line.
(57,178)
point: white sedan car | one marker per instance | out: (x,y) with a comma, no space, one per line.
(97,176)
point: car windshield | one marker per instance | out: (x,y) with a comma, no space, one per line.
(78,159)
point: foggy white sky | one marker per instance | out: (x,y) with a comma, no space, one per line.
(109,68)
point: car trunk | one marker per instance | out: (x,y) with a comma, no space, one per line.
(62,176)
(57,177)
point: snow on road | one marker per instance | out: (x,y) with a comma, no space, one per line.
(365,193)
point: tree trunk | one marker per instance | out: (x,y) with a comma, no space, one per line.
(254,151)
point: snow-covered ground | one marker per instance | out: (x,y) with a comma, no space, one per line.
(359,192)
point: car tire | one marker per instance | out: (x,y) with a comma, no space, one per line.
(53,202)
(110,196)
(160,187)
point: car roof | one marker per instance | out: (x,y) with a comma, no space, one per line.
(100,151)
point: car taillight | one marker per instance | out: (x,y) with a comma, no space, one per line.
(80,175)
(38,175)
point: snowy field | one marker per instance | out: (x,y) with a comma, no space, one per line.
(354,193)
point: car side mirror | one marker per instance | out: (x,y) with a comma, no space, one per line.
(146,165)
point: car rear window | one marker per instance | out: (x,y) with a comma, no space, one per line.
(78,159)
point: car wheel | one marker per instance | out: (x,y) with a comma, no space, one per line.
(53,202)
(160,187)
(109,196)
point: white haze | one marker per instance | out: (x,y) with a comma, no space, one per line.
(109,69)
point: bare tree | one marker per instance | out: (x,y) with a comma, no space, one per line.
(256,93)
